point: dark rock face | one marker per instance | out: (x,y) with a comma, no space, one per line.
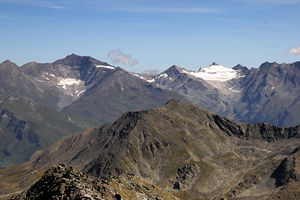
(176,186)
(185,176)
(118,197)
(285,171)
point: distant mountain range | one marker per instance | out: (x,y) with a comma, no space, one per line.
(269,94)
(182,148)
(80,92)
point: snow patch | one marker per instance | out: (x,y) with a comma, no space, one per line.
(104,66)
(231,89)
(64,82)
(143,78)
(139,76)
(164,75)
(45,77)
(78,93)
(150,80)
(214,73)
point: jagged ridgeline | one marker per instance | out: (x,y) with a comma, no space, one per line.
(186,150)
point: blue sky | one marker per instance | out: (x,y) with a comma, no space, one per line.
(156,34)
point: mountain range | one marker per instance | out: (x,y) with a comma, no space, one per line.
(47,101)
(269,93)
(184,149)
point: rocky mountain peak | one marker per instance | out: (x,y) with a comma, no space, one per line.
(8,65)
(76,60)
(242,69)
(7,62)
(239,67)
(268,66)
(173,68)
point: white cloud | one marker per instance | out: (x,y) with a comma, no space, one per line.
(295,50)
(117,57)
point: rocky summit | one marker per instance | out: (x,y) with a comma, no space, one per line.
(187,150)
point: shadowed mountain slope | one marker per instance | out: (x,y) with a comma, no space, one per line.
(26,126)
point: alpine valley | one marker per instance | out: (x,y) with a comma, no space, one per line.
(230,133)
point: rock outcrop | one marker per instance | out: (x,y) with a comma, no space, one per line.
(63,182)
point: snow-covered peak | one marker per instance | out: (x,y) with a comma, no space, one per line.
(104,66)
(215,72)
(214,68)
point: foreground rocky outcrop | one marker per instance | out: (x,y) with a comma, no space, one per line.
(63,182)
